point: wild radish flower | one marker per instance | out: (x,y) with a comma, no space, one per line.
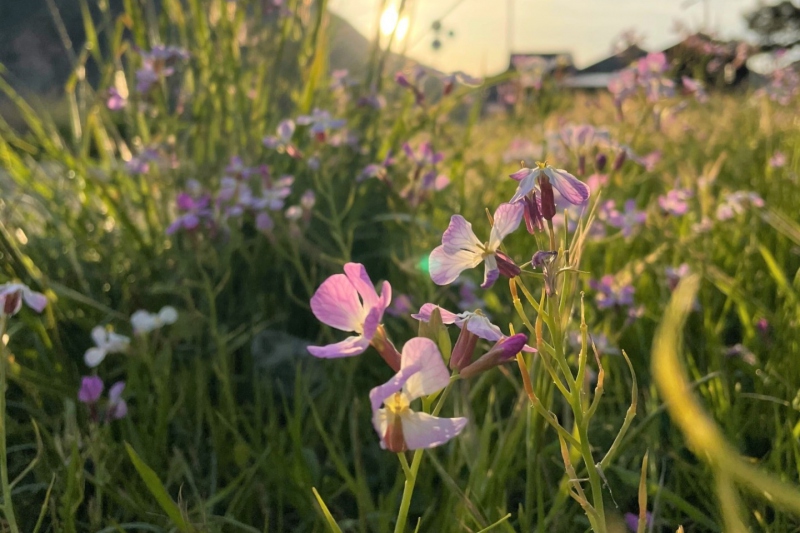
(91,389)
(571,188)
(336,303)
(695,88)
(377,170)
(140,164)
(611,293)
(504,351)
(283,140)
(648,161)
(413,82)
(461,249)
(13,294)
(117,408)
(106,342)
(321,123)
(115,100)
(422,372)
(195,211)
(675,275)
(145,322)
(627,220)
(157,64)
(736,203)
(675,202)
(777,160)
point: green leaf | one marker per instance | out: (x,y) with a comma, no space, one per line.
(328,516)
(158,491)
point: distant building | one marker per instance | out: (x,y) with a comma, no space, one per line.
(598,75)
(718,64)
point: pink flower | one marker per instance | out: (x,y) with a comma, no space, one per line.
(422,372)
(627,220)
(117,407)
(571,188)
(675,202)
(336,304)
(115,100)
(461,249)
(777,160)
(13,294)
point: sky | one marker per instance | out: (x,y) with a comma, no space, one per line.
(586,28)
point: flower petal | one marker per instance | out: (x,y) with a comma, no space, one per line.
(35,300)
(480,326)
(490,272)
(506,220)
(359,278)
(94,356)
(371,322)
(525,186)
(431,375)
(459,236)
(422,430)
(115,392)
(446,267)
(571,188)
(336,304)
(424,314)
(521,174)
(100,336)
(379,394)
(168,315)
(347,348)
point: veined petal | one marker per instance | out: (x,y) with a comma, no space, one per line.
(431,376)
(336,304)
(480,326)
(350,346)
(459,236)
(523,173)
(94,356)
(425,312)
(379,394)
(571,188)
(446,267)
(506,220)
(372,321)
(422,430)
(359,278)
(490,272)
(526,185)
(386,296)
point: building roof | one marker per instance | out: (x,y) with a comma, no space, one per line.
(616,62)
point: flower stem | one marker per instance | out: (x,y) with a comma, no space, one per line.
(8,505)
(408,490)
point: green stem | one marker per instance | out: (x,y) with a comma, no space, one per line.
(8,505)
(408,490)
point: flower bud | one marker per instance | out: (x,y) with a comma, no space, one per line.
(506,266)
(505,350)
(542,258)
(620,160)
(384,346)
(464,349)
(12,303)
(600,162)
(548,207)
(533,216)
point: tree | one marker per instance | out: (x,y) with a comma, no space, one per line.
(777,25)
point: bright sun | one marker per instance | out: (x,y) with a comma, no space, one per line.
(391,19)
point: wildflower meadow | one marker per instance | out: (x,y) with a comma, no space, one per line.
(243,290)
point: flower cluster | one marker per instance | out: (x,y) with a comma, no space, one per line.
(157,65)
(90,392)
(647,74)
(783,85)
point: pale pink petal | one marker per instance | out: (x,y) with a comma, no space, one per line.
(425,312)
(359,278)
(115,392)
(100,335)
(380,421)
(445,268)
(94,356)
(35,300)
(459,236)
(490,272)
(336,304)
(379,394)
(372,321)
(431,376)
(571,188)
(506,220)
(422,430)
(525,186)
(480,326)
(386,296)
(521,174)
(347,348)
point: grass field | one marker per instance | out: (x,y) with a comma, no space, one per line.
(188,235)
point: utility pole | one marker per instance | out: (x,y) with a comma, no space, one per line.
(510,26)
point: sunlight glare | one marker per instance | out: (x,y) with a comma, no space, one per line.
(391,19)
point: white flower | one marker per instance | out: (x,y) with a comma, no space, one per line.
(144,322)
(107,342)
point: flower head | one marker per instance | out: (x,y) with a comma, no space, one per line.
(115,100)
(349,302)
(145,322)
(422,372)
(571,188)
(675,202)
(13,294)
(628,219)
(106,342)
(461,249)
(612,293)
(117,407)
(91,389)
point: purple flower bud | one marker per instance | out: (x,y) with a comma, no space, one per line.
(533,217)
(505,350)
(402,80)
(543,258)
(91,389)
(620,160)
(506,266)
(600,162)
(464,349)
(548,207)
